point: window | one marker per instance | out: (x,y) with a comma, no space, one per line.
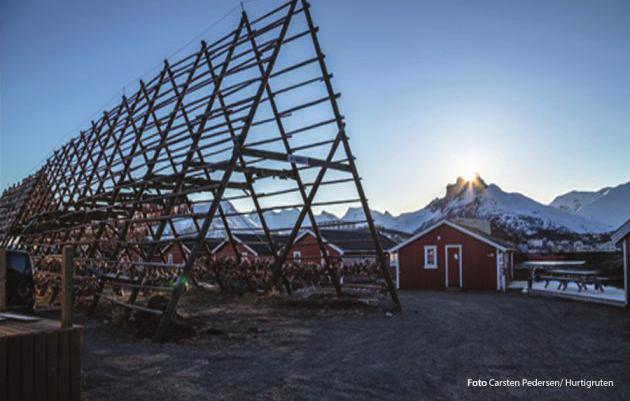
(297,256)
(430,257)
(170,258)
(393,258)
(18,262)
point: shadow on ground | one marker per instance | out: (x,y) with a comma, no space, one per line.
(259,351)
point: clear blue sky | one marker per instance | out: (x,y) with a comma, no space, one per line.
(535,95)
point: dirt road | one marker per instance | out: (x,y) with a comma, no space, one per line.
(426,353)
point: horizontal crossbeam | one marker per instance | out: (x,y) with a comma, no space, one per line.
(296,159)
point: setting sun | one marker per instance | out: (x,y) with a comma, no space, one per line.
(470,174)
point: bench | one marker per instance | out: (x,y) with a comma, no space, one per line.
(581,281)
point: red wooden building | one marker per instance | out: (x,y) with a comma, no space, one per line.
(250,246)
(173,252)
(347,246)
(451,255)
(622,236)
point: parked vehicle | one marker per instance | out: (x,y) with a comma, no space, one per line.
(20,285)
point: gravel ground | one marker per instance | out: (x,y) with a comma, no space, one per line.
(261,352)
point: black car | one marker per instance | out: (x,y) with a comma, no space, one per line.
(20,286)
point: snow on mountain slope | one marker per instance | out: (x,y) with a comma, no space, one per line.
(285,219)
(523,214)
(355,214)
(511,214)
(411,221)
(574,200)
(610,206)
(187,225)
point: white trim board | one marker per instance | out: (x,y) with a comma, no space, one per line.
(456,227)
(496,256)
(461,278)
(434,266)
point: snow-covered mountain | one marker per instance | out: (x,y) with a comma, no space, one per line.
(281,219)
(574,200)
(284,219)
(187,225)
(610,206)
(355,214)
(512,215)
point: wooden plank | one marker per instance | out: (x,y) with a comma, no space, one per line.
(131,306)
(75,365)
(67,287)
(64,365)
(10,328)
(52,350)
(3,368)
(40,367)
(304,160)
(14,362)
(28,369)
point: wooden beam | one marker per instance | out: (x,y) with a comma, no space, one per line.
(296,159)
(344,139)
(67,287)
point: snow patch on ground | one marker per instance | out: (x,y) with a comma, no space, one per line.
(610,293)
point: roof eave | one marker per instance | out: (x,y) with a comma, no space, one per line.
(456,227)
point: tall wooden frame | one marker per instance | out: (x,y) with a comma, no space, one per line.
(212,127)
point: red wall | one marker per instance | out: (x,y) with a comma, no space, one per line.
(174,250)
(479,264)
(227,251)
(309,248)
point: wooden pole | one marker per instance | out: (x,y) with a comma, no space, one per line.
(3,280)
(67,287)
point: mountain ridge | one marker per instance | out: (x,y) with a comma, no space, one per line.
(609,205)
(512,215)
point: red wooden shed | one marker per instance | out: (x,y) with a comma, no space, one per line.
(347,246)
(451,255)
(250,246)
(173,252)
(622,236)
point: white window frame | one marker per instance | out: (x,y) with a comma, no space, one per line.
(169,259)
(428,248)
(297,256)
(393,259)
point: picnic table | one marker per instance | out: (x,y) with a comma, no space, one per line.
(579,276)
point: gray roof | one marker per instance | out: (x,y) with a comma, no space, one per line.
(475,233)
(621,232)
(356,241)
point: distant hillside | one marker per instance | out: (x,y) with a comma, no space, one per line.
(513,216)
(609,206)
